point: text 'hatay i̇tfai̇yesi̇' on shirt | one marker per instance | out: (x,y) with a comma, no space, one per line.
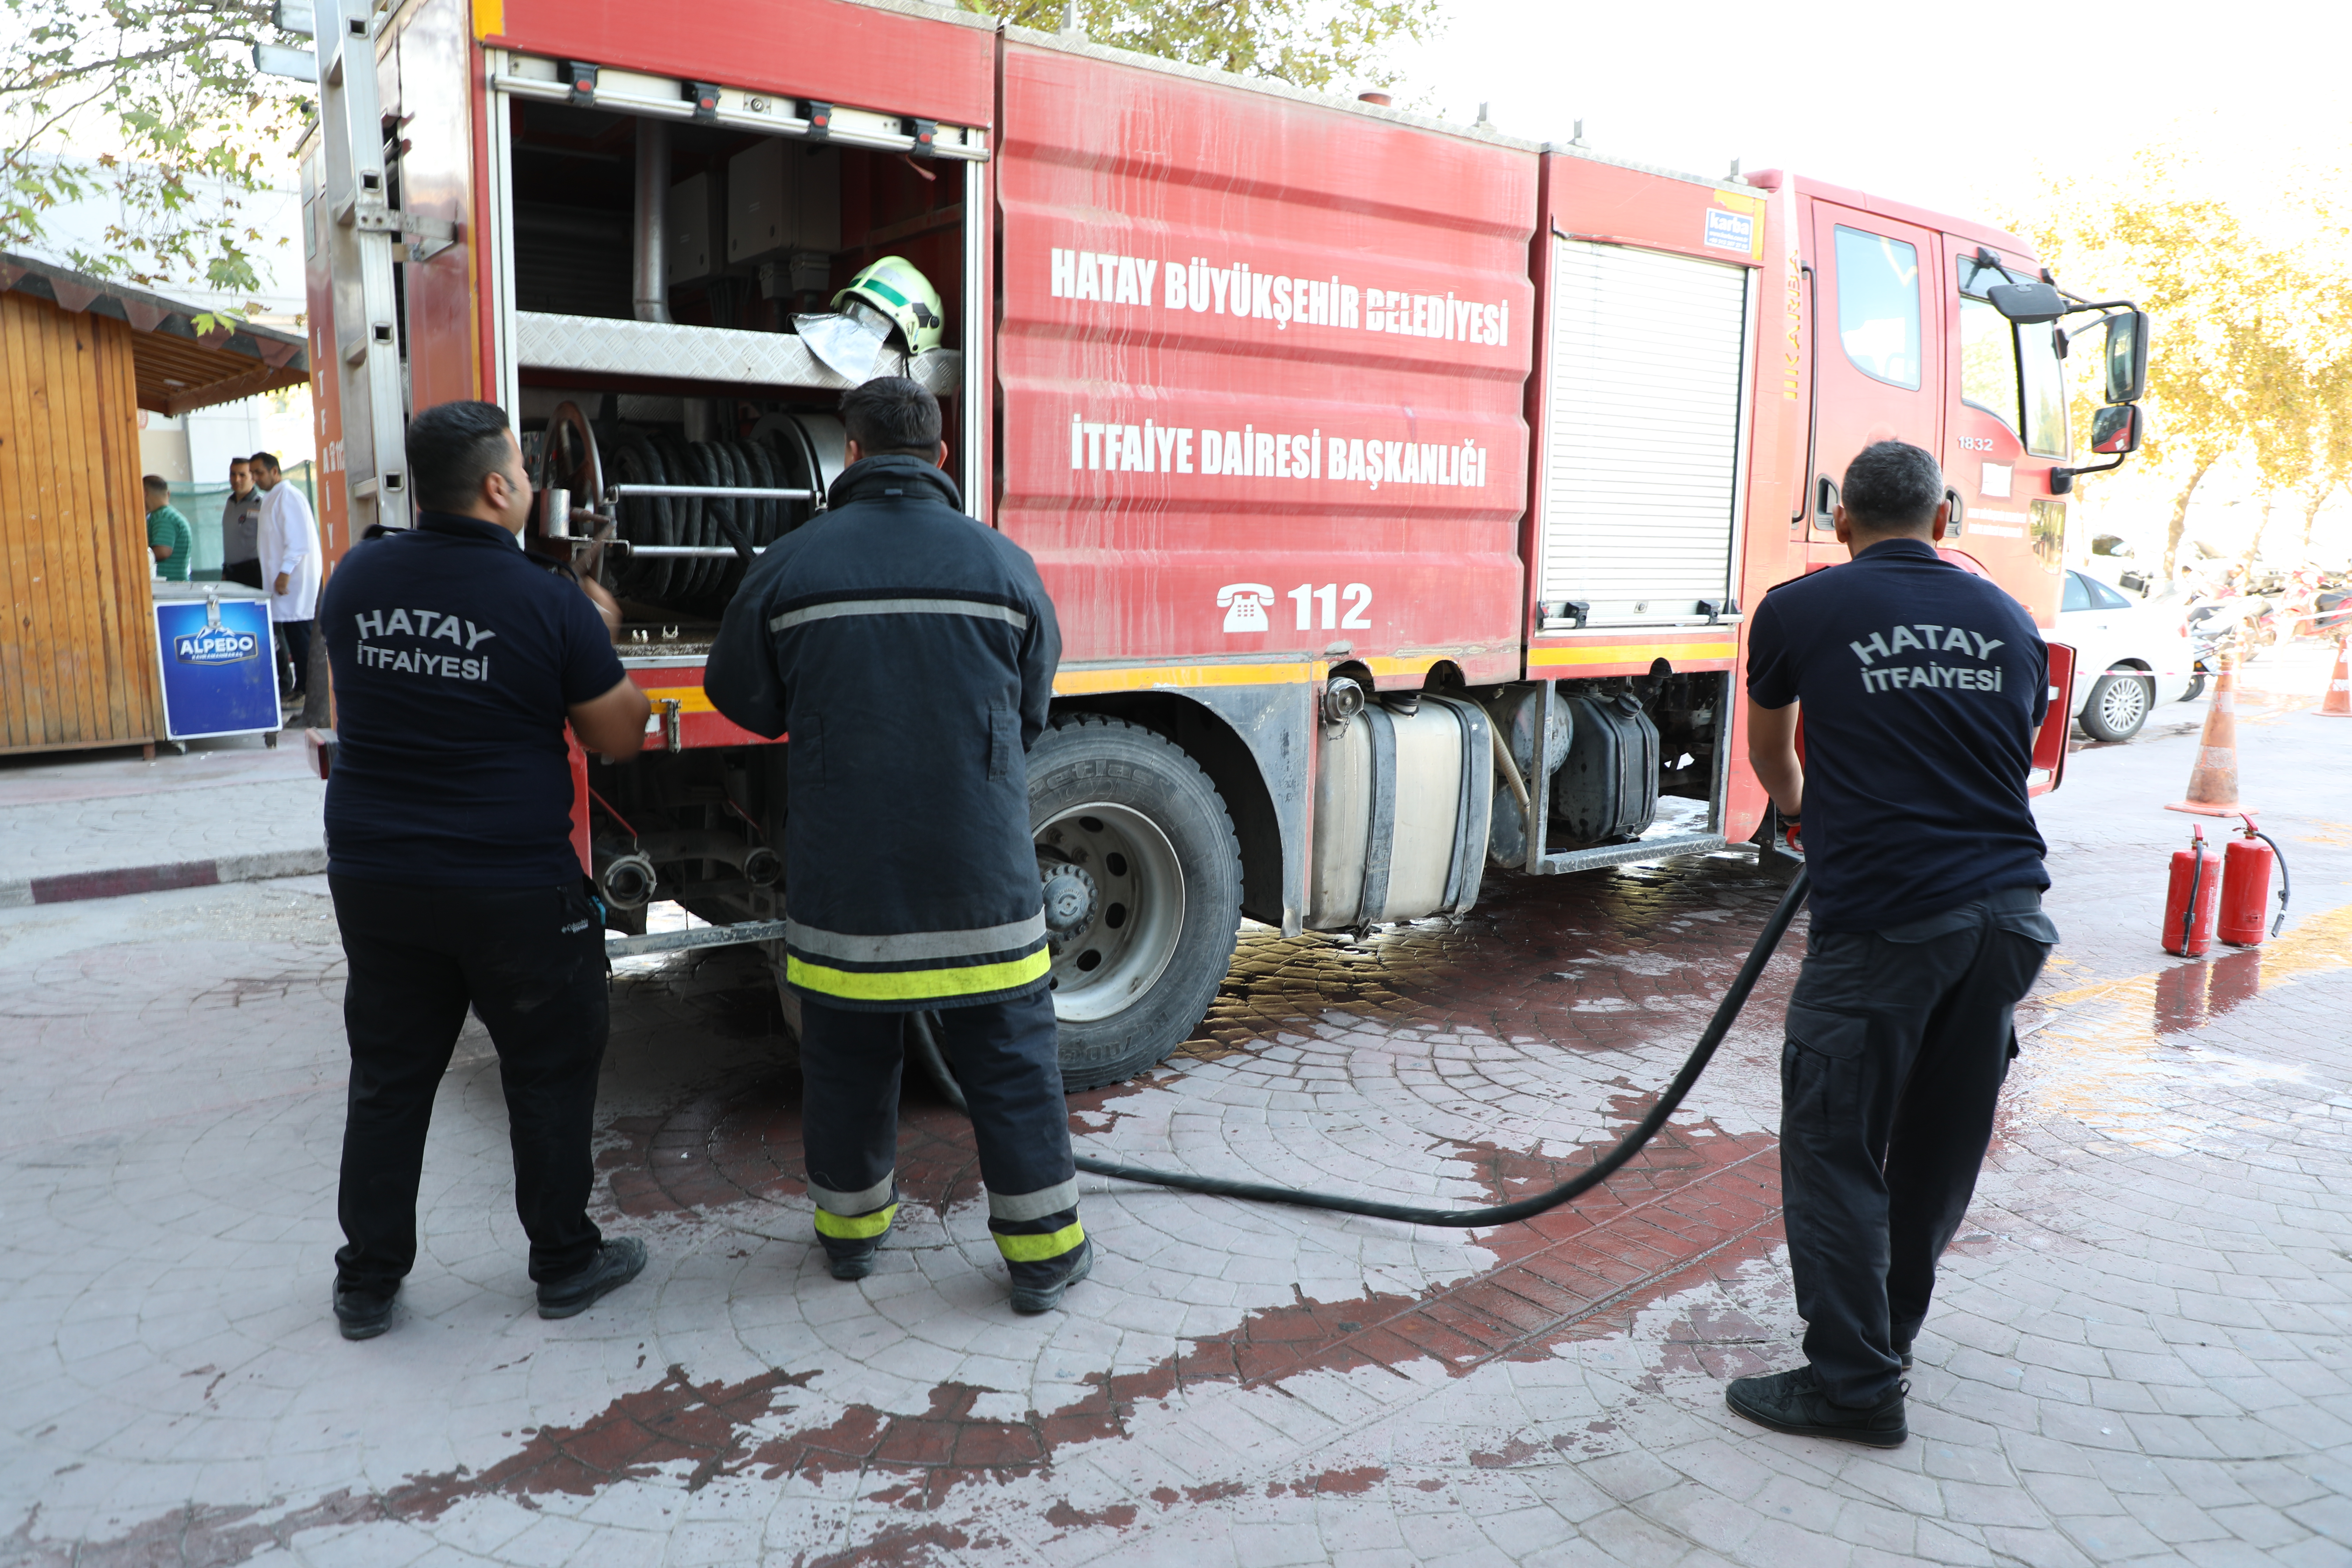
(1922,686)
(454,656)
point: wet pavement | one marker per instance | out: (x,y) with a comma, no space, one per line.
(2140,1352)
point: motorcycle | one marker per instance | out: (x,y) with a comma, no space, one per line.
(2331,613)
(2241,623)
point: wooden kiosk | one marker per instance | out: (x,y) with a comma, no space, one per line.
(79,359)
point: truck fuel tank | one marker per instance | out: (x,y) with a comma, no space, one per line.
(1401,804)
(1606,789)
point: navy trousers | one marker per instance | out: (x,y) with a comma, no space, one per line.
(1897,1043)
(530,962)
(1005,1057)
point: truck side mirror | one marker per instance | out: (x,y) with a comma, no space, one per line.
(2127,356)
(2026,303)
(2115,429)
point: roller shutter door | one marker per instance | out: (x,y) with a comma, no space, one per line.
(1642,475)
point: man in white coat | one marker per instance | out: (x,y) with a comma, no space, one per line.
(289,562)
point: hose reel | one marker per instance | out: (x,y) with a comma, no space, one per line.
(671,523)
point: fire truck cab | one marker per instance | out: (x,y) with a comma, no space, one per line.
(1401,487)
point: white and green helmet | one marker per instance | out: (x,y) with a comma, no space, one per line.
(896,288)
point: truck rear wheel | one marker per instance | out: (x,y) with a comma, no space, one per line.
(1143,888)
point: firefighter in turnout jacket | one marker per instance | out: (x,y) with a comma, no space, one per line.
(908,652)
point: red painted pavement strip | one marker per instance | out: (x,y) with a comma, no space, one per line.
(124,880)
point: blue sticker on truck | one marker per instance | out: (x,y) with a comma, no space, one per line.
(1731,231)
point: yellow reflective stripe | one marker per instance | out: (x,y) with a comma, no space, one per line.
(914,985)
(1073,682)
(1037,1249)
(690,699)
(857,1227)
(1557,656)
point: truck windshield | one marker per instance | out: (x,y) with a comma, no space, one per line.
(1989,361)
(2010,372)
(1878,305)
(2045,392)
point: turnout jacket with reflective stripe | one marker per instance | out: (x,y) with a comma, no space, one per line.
(908,652)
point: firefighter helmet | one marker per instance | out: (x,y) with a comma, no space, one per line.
(896,288)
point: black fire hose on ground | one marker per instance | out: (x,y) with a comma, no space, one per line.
(926,1049)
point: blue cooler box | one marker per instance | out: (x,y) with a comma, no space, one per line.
(219,660)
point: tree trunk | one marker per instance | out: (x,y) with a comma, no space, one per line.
(2180,519)
(2254,545)
(2310,517)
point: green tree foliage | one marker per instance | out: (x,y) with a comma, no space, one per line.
(1321,44)
(2250,352)
(154,104)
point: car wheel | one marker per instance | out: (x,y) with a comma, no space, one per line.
(1143,886)
(2196,688)
(2117,706)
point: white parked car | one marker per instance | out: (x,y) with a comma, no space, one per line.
(2131,657)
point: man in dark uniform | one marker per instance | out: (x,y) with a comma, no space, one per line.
(909,653)
(241,527)
(1921,687)
(457,663)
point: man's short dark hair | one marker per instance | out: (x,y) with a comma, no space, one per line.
(155,482)
(891,413)
(452,447)
(1891,487)
(240,462)
(265,460)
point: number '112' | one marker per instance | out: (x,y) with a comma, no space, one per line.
(1359,599)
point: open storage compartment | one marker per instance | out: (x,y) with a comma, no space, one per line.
(665,244)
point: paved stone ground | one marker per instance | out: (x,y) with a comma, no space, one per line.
(2139,1353)
(75,818)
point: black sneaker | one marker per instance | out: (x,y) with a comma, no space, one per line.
(617,1262)
(1793,1401)
(1038,1287)
(363,1314)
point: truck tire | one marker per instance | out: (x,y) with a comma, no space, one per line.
(2118,705)
(1143,880)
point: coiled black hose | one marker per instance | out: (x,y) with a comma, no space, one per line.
(1726,1012)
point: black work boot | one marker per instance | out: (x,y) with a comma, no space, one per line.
(1038,1287)
(851,1255)
(363,1314)
(850,1260)
(618,1261)
(1793,1401)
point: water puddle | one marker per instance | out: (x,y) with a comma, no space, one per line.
(2125,1057)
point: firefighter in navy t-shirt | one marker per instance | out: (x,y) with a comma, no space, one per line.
(1921,687)
(457,661)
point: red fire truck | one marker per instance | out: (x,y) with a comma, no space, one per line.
(1401,486)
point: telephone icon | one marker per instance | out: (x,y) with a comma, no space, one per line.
(1245,605)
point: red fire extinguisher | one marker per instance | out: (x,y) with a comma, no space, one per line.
(2246,887)
(2193,896)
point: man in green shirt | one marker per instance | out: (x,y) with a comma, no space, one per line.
(169,537)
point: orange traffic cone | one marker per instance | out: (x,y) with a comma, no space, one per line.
(2340,688)
(2214,781)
